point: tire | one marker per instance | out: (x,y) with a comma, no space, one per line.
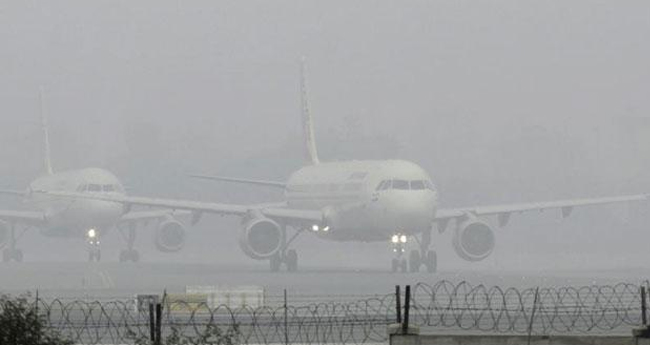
(394,265)
(18,255)
(432,262)
(415,261)
(292,260)
(135,256)
(403,266)
(275,263)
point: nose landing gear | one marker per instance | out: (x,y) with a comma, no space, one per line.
(417,258)
(94,251)
(130,253)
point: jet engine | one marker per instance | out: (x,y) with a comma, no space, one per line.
(474,239)
(169,237)
(261,238)
(4,233)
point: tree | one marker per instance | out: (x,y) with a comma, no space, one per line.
(21,324)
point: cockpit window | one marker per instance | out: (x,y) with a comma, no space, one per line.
(109,188)
(417,185)
(358,176)
(400,184)
(387,185)
(94,188)
(430,185)
(82,188)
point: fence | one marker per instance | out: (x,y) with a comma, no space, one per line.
(443,306)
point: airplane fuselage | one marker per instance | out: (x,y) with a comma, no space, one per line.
(66,217)
(367,200)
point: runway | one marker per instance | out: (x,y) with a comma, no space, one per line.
(116,281)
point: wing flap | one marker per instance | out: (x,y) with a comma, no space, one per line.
(23,217)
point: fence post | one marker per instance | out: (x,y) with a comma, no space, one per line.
(532,315)
(407,307)
(286,319)
(152,323)
(398,304)
(644,308)
(158,323)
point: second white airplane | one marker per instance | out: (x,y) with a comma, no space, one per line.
(362,201)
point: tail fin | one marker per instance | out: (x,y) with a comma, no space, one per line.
(47,155)
(307,120)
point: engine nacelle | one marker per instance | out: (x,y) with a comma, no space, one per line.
(169,236)
(474,240)
(261,238)
(4,233)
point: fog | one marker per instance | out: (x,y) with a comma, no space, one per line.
(500,101)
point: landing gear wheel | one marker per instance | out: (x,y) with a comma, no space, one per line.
(275,262)
(12,255)
(402,266)
(94,256)
(18,255)
(415,261)
(292,260)
(394,265)
(431,261)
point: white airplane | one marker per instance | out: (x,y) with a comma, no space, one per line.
(83,218)
(363,201)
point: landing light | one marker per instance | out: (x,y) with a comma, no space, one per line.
(395,239)
(326,229)
(92,233)
(314,227)
(402,238)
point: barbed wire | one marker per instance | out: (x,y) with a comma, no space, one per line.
(436,307)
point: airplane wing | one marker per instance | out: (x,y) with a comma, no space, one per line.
(504,211)
(23,217)
(240,180)
(143,216)
(275,211)
(19,193)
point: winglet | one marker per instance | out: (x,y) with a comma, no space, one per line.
(307,119)
(47,155)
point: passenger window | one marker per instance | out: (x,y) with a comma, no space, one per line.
(94,188)
(109,188)
(417,185)
(400,184)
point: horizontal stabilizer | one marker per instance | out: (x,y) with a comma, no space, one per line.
(274,184)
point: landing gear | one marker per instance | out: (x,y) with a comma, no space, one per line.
(288,257)
(424,257)
(94,251)
(130,253)
(94,255)
(12,253)
(416,258)
(398,265)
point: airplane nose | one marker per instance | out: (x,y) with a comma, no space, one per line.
(414,213)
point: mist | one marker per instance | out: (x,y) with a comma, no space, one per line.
(500,101)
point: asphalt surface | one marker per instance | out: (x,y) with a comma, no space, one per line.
(114,280)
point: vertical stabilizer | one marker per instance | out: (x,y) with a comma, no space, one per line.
(307,119)
(47,156)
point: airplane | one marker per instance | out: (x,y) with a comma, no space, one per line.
(361,201)
(83,218)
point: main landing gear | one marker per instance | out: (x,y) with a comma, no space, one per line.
(12,253)
(417,258)
(130,253)
(288,257)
